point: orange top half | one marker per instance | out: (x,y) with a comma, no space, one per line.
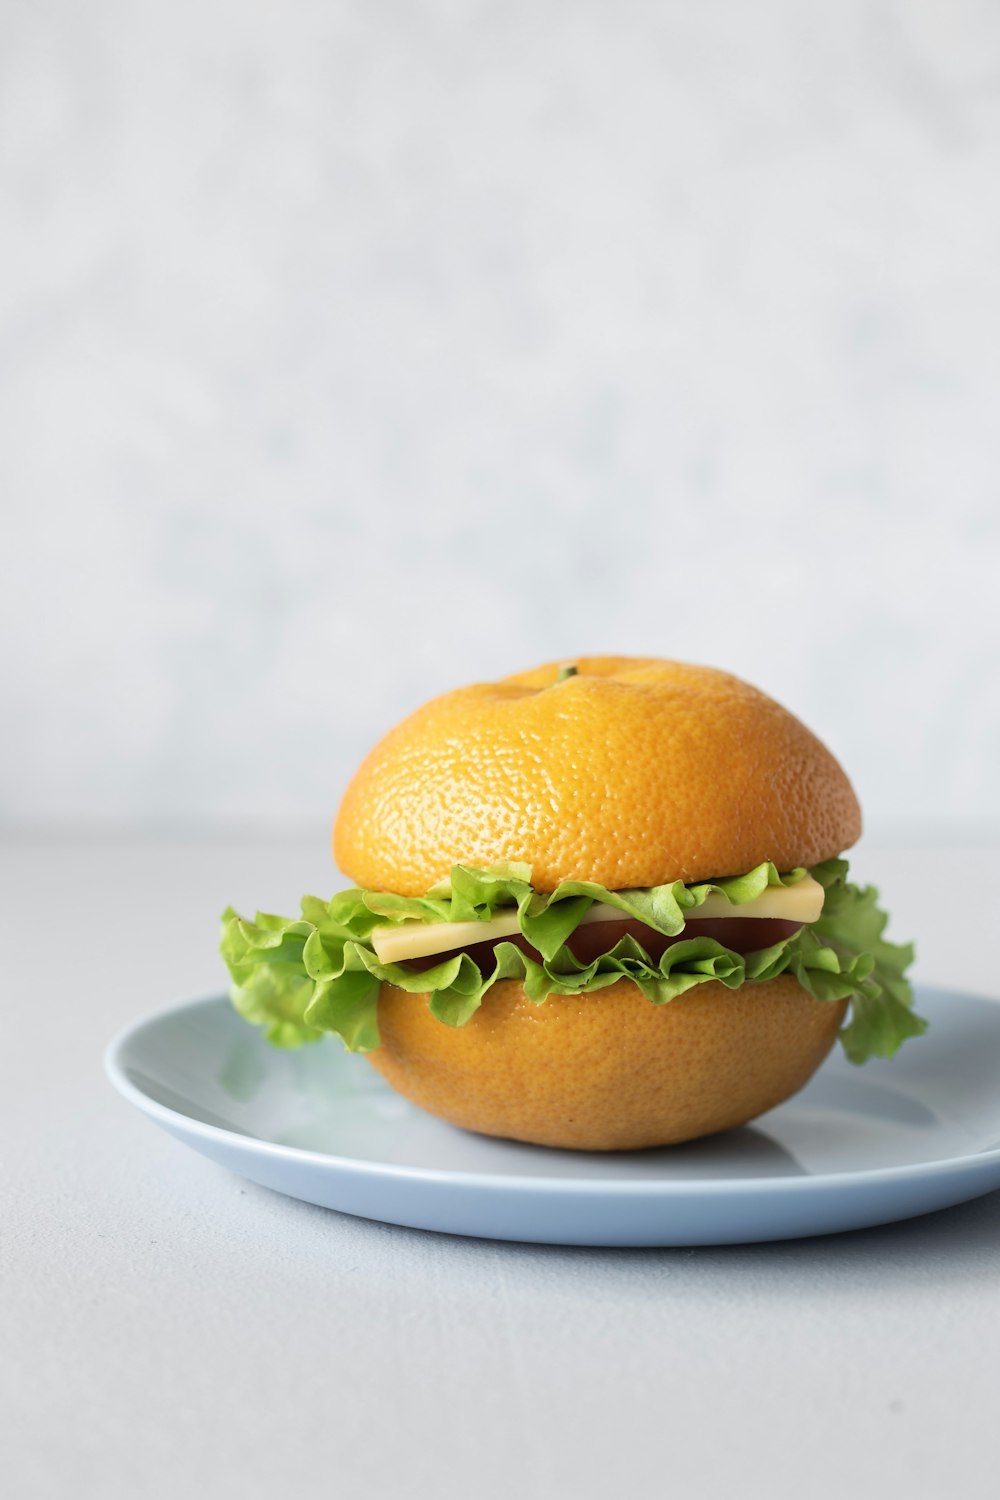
(634,772)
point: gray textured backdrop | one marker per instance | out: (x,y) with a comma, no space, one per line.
(352,351)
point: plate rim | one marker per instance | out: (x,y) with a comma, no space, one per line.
(809,1183)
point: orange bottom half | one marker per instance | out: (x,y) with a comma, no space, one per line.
(607,1071)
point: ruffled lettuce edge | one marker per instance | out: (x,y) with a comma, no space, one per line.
(300,978)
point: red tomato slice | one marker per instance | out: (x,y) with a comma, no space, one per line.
(742,934)
(589,941)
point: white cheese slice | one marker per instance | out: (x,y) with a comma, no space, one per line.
(801,902)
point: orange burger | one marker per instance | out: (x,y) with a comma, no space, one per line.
(598,905)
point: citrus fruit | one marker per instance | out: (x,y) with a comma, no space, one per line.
(607,1071)
(632,772)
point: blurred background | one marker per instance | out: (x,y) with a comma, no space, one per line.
(350,352)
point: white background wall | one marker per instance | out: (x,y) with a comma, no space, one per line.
(352,351)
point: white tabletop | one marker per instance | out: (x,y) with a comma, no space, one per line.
(171,1330)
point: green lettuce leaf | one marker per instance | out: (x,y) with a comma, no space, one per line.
(851,927)
(299,978)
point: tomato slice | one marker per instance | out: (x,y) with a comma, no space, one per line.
(741,934)
(591,939)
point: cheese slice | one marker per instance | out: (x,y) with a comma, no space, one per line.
(393,943)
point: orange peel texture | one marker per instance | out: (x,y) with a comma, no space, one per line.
(607,1071)
(634,772)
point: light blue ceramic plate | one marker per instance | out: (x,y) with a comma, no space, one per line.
(859,1146)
